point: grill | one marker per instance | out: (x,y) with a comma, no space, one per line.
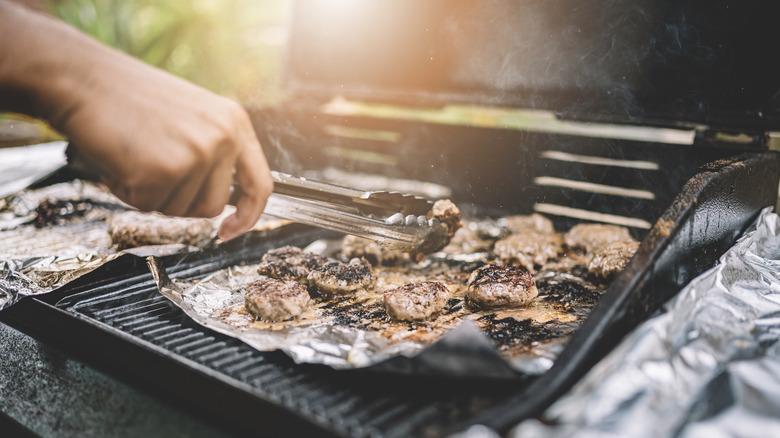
(686,192)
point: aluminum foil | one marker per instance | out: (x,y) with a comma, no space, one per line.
(707,366)
(217,302)
(38,258)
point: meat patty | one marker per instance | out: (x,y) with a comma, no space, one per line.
(131,229)
(610,259)
(501,286)
(290,263)
(590,237)
(276,300)
(467,240)
(532,222)
(416,301)
(354,246)
(448,213)
(528,249)
(337,278)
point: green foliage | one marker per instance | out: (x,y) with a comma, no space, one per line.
(232,47)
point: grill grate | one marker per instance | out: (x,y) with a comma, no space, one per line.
(344,403)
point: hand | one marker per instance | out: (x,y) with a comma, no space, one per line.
(166,145)
(162,144)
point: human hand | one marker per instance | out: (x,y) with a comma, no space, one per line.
(161,143)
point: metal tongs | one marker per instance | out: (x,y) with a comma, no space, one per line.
(392,219)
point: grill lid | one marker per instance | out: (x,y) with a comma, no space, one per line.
(647,61)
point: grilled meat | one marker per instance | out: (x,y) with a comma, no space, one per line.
(528,249)
(533,222)
(610,259)
(467,240)
(290,263)
(133,228)
(353,246)
(591,237)
(448,213)
(337,278)
(416,301)
(501,286)
(276,300)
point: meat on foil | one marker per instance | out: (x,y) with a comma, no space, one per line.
(416,301)
(501,286)
(276,300)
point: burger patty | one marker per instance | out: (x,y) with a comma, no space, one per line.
(337,278)
(610,259)
(591,237)
(416,301)
(276,300)
(131,229)
(501,286)
(290,263)
(528,249)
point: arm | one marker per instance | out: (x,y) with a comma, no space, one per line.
(163,144)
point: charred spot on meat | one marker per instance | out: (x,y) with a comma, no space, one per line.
(290,263)
(337,278)
(501,286)
(133,228)
(416,301)
(528,249)
(607,261)
(591,237)
(276,300)
(354,246)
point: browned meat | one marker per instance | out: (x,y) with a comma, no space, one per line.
(501,286)
(532,222)
(416,301)
(528,249)
(276,300)
(353,246)
(290,263)
(466,241)
(448,213)
(590,237)
(612,258)
(338,278)
(133,228)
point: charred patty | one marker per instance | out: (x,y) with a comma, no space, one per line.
(276,300)
(501,286)
(290,263)
(416,301)
(337,278)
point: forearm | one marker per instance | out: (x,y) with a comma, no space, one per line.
(44,63)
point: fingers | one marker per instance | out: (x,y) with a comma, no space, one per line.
(254,177)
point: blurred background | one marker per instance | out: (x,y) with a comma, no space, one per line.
(232,47)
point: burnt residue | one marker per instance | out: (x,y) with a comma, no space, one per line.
(507,332)
(358,314)
(453,305)
(570,295)
(56,212)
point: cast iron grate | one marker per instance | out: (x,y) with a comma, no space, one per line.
(352,404)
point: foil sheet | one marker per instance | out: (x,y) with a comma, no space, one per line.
(37,258)
(707,366)
(217,302)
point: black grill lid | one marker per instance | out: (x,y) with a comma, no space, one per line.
(689,61)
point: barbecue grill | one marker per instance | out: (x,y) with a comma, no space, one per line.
(662,111)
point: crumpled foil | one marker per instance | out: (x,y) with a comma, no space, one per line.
(707,366)
(463,351)
(35,260)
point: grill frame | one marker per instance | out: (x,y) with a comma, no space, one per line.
(73,314)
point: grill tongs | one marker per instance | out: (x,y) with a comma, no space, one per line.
(392,219)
